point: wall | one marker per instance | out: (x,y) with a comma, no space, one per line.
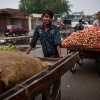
(10,16)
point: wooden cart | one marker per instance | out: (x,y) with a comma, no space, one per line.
(41,83)
(89,52)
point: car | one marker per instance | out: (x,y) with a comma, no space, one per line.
(85,24)
(15,30)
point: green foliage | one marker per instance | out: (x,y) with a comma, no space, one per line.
(8,48)
(38,6)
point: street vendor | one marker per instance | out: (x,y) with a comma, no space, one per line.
(97,21)
(49,36)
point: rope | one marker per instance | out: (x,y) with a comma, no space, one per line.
(26,91)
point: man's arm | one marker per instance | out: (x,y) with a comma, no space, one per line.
(29,49)
(59,51)
(33,41)
(57,41)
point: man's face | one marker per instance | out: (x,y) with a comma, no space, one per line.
(46,19)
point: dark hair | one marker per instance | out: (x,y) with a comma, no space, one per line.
(98,12)
(50,13)
(80,20)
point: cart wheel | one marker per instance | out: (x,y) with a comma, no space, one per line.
(80,61)
(73,69)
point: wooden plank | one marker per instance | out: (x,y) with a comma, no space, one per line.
(83,47)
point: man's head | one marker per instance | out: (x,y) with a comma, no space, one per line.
(80,20)
(50,13)
(47,17)
(98,14)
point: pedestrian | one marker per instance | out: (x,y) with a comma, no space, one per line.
(50,38)
(97,21)
(79,26)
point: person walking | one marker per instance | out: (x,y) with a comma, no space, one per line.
(97,21)
(79,26)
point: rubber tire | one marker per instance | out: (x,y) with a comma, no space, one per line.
(26,33)
(80,61)
(74,68)
(6,35)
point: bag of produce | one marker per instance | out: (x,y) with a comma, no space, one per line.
(17,66)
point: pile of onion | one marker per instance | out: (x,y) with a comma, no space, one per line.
(86,37)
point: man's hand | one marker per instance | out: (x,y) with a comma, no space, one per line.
(61,56)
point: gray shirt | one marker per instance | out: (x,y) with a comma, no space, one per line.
(96,23)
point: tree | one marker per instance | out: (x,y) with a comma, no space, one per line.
(38,6)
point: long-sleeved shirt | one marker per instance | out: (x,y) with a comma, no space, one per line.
(78,27)
(49,40)
(96,23)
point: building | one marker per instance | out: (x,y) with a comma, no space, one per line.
(33,20)
(36,19)
(10,16)
(73,19)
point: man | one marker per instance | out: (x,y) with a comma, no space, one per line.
(79,26)
(49,36)
(50,39)
(97,21)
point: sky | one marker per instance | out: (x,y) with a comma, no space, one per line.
(89,7)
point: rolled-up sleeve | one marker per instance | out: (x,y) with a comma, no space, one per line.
(34,38)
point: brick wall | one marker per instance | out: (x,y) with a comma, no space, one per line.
(12,16)
(2,24)
(25,23)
